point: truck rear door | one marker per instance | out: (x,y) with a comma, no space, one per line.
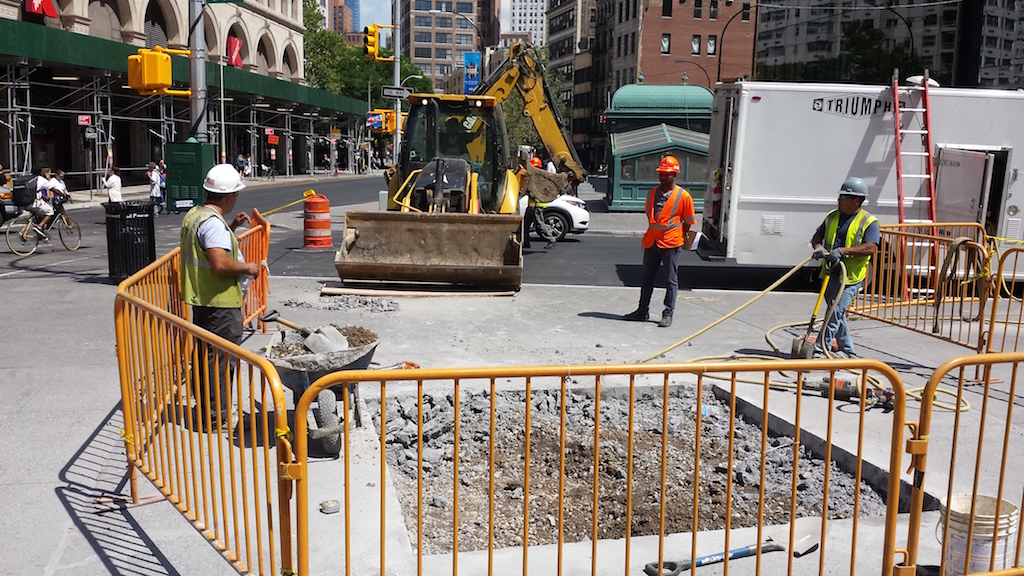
(962,183)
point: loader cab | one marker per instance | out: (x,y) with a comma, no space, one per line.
(462,128)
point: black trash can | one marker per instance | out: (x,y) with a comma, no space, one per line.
(131,238)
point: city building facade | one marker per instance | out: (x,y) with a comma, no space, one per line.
(341,19)
(67,104)
(437,34)
(528,17)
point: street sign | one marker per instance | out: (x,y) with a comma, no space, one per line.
(84,120)
(268,131)
(396,92)
(335,131)
(273,140)
(90,133)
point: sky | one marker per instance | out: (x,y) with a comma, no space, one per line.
(379,11)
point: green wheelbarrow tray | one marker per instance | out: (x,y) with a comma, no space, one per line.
(299,372)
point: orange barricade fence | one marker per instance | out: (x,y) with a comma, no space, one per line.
(966,458)
(611,467)
(931,278)
(1007,311)
(205,420)
(254,244)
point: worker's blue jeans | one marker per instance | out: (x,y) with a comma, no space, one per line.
(838,327)
(654,257)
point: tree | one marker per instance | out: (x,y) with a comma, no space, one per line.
(520,129)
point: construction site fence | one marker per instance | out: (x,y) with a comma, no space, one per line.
(1007,312)
(205,420)
(932,278)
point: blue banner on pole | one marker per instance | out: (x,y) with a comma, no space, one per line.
(472,74)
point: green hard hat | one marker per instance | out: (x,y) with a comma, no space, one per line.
(854,186)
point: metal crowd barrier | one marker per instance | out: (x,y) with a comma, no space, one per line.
(932,278)
(1007,311)
(254,244)
(205,420)
(971,454)
(473,392)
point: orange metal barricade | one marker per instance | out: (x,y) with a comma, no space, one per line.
(1007,310)
(619,436)
(206,420)
(254,244)
(972,453)
(931,278)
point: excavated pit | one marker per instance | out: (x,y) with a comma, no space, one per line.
(509,485)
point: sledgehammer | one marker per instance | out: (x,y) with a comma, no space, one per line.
(802,349)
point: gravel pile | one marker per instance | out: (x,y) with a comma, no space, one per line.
(438,429)
(346,302)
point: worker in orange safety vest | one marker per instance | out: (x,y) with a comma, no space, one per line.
(670,214)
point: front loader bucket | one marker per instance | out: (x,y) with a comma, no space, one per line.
(480,250)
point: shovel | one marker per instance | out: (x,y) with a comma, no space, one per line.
(806,538)
(320,341)
(802,349)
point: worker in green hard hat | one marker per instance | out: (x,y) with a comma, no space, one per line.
(848,234)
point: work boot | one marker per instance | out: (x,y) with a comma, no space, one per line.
(550,245)
(666,320)
(637,315)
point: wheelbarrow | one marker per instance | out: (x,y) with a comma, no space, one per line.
(298,372)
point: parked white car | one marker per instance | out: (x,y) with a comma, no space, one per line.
(565,214)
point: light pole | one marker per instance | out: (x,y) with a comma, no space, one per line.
(745,7)
(396,32)
(702,69)
(910,31)
(411,77)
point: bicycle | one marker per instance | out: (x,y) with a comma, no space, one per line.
(23,233)
(268,172)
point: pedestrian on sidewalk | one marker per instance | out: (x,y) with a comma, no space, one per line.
(213,270)
(670,214)
(155,197)
(113,184)
(849,234)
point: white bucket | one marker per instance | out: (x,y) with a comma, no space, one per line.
(990,528)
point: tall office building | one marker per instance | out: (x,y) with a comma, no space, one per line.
(354,6)
(527,17)
(340,19)
(966,44)
(437,34)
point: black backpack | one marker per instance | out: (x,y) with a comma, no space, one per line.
(24,192)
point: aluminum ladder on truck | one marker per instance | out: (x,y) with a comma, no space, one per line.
(919,258)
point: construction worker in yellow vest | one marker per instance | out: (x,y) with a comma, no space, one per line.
(212,267)
(849,234)
(670,214)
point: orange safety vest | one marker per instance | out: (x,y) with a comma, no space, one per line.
(668,229)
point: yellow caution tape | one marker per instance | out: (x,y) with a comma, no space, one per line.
(1008,240)
(279,432)
(126,437)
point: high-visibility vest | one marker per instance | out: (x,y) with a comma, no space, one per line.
(666,228)
(200,285)
(856,266)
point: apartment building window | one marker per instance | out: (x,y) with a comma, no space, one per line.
(421,53)
(931,19)
(424,21)
(746,12)
(1009,24)
(632,43)
(443,69)
(424,5)
(698,6)
(444,6)
(712,45)
(713,10)
(695,45)
(618,46)
(464,7)
(460,55)
(425,68)
(464,39)
(443,38)
(618,79)
(634,8)
(929,41)
(819,46)
(464,24)
(666,43)
(443,22)
(620,12)
(422,37)
(666,8)
(442,53)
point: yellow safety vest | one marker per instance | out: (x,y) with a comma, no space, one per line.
(200,285)
(856,266)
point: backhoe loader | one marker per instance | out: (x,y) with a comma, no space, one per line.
(452,214)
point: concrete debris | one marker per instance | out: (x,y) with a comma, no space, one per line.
(370,304)
(615,472)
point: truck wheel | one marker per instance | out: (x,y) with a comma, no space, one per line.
(558,223)
(326,416)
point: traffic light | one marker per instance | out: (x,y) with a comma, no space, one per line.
(149,71)
(371,42)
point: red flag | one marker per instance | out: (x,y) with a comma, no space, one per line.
(234,50)
(44,7)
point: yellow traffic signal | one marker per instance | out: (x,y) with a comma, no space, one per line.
(371,42)
(149,71)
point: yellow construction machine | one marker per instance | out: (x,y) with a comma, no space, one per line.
(453,198)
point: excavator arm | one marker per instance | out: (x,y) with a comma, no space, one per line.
(523,71)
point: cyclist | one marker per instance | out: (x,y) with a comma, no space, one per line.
(47,191)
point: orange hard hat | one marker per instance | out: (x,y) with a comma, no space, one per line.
(669,164)
(535,162)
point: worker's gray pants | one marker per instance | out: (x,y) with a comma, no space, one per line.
(654,257)
(226,323)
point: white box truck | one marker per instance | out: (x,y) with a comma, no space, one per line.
(779,152)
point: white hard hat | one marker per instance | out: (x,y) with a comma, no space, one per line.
(223,179)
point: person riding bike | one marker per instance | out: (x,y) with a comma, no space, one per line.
(48,192)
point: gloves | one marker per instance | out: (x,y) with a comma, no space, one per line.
(834,257)
(819,253)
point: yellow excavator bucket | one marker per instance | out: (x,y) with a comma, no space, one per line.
(481,250)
